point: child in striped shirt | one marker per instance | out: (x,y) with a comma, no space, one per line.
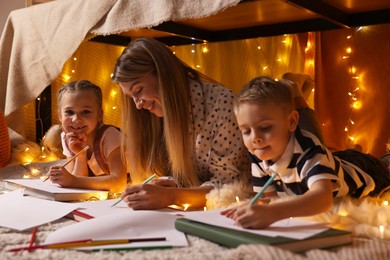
(305,167)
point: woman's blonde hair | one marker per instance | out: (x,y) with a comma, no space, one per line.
(150,143)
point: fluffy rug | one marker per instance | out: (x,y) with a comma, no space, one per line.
(198,249)
(363,219)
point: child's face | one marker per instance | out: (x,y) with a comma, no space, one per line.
(266,128)
(79,112)
(145,94)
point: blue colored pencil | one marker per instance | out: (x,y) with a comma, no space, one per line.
(260,193)
(144,182)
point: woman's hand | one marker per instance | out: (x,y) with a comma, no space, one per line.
(147,196)
(61,176)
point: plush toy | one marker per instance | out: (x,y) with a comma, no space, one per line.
(52,141)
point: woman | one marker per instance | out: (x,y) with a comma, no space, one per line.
(176,123)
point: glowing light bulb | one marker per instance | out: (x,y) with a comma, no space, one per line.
(357,104)
(186,206)
(343,213)
(382,231)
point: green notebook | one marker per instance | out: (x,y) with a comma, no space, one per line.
(233,238)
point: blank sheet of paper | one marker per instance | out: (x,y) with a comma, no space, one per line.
(20,212)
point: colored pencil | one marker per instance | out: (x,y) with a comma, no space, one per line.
(81,214)
(68,161)
(87,243)
(145,181)
(33,235)
(260,193)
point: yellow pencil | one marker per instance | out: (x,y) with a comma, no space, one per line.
(68,161)
(87,243)
(103,242)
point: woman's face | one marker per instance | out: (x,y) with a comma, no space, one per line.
(145,94)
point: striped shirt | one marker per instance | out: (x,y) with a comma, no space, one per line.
(306,161)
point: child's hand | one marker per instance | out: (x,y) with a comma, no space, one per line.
(251,216)
(61,176)
(230,213)
(76,141)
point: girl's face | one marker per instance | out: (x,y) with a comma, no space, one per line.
(266,129)
(79,112)
(145,94)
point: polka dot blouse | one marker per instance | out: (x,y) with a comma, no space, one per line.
(219,150)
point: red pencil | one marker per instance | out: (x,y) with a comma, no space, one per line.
(81,214)
(32,241)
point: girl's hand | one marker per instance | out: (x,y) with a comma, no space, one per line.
(76,141)
(61,176)
(147,196)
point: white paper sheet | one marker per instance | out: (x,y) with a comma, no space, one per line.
(291,228)
(20,212)
(123,225)
(102,207)
(48,186)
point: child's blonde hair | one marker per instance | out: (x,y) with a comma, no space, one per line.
(264,89)
(82,86)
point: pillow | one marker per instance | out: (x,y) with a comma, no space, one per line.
(5,144)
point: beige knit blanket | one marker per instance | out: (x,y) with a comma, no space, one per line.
(38,40)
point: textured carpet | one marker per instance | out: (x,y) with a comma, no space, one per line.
(362,221)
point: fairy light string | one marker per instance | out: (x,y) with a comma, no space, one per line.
(355,83)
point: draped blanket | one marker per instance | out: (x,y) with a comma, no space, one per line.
(38,40)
